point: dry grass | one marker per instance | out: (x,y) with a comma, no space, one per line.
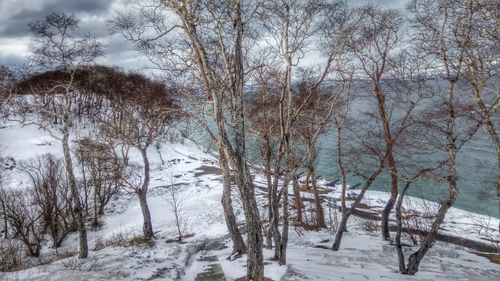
(367,224)
(13,258)
(494,258)
(128,238)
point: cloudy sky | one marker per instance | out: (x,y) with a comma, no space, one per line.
(94,14)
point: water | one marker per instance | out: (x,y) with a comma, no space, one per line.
(476,166)
(476,175)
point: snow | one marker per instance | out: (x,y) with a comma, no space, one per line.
(458,222)
(363,255)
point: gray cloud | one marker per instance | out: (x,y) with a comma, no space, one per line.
(394,4)
(95,26)
(11,59)
(15,15)
(16,24)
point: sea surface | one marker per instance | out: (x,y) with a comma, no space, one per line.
(476,167)
(477,162)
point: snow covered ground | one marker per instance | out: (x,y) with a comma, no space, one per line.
(363,254)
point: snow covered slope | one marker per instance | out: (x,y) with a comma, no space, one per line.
(363,255)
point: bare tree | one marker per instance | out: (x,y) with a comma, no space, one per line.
(24,219)
(283,20)
(340,120)
(439,33)
(263,119)
(51,195)
(313,121)
(142,112)
(4,178)
(56,49)
(213,35)
(377,38)
(176,200)
(7,85)
(197,111)
(239,247)
(369,161)
(105,170)
(291,25)
(480,67)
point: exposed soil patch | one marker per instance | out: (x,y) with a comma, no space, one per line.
(362,205)
(176,240)
(207,170)
(213,271)
(321,191)
(245,279)
(467,243)
(212,170)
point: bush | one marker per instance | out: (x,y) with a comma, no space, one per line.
(11,254)
(76,264)
(50,195)
(127,238)
(24,219)
(369,225)
(103,171)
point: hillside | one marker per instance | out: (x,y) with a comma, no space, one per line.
(118,253)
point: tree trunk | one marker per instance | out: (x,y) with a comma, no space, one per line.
(345,216)
(96,201)
(308,178)
(255,262)
(102,204)
(85,196)
(267,166)
(269,236)
(266,154)
(320,215)
(340,165)
(176,214)
(284,231)
(490,127)
(147,227)
(389,143)
(276,217)
(386,213)
(415,258)
(298,200)
(343,175)
(77,206)
(239,247)
(496,140)
(399,248)
(236,155)
(5,221)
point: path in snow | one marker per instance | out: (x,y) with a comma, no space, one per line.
(212,270)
